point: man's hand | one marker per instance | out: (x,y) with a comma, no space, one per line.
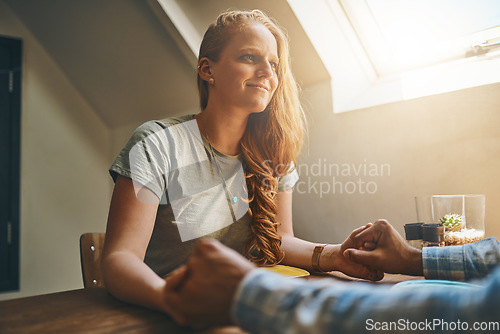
(333,256)
(392,254)
(200,294)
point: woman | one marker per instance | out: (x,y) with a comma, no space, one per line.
(225,173)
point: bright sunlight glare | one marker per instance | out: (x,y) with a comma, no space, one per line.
(419,30)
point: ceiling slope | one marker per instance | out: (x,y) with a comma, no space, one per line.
(135,60)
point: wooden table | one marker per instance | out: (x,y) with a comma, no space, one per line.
(388,278)
(96,311)
(86,311)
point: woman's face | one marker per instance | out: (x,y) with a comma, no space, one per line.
(245,74)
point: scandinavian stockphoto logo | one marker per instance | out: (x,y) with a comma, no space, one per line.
(324,178)
(207,192)
(330,178)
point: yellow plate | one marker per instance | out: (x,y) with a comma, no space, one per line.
(288,271)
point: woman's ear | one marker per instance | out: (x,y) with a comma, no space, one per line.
(205,68)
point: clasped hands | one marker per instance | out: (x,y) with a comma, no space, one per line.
(380,247)
(200,293)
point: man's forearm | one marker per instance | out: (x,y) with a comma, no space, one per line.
(268,303)
(461,263)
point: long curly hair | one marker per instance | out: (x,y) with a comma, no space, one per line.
(273,137)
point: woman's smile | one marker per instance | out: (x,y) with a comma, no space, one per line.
(260,87)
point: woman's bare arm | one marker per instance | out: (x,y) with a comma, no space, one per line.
(130,225)
(299,252)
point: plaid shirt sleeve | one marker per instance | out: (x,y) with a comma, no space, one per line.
(461,263)
(266,302)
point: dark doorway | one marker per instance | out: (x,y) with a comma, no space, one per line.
(10,130)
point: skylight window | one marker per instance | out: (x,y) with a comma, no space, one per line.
(401,35)
(431,20)
(384,51)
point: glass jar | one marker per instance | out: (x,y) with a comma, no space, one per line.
(462,216)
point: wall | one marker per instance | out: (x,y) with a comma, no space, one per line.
(443,144)
(65,188)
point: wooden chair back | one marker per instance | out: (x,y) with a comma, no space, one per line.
(91,245)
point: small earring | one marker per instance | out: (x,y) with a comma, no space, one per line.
(211,81)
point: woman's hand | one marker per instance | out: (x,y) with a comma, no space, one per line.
(333,258)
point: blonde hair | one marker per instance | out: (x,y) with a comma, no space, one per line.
(273,137)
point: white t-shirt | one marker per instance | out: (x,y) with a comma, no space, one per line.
(202,192)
